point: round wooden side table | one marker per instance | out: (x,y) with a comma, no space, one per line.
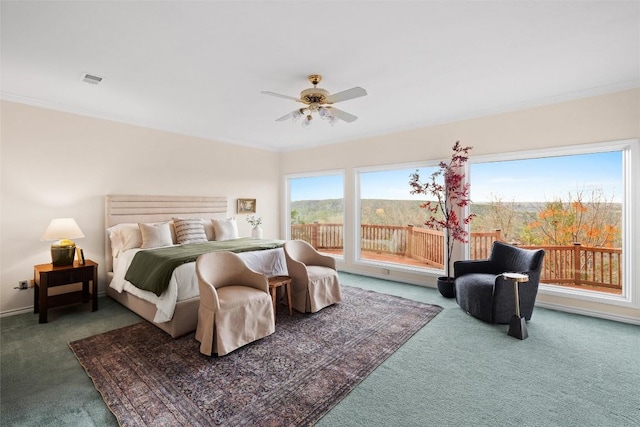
(274,283)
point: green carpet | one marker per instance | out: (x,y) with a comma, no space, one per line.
(458,371)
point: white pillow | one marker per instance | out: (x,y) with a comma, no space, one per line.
(123,237)
(155,235)
(208,229)
(189,230)
(127,236)
(225,229)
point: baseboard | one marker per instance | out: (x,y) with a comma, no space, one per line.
(417,279)
(16,311)
(590,313)
(29,309)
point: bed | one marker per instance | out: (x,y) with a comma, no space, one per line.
(175,310)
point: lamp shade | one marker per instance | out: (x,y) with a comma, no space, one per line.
(62,228)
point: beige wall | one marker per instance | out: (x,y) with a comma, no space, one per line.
(598,119)
(55,164)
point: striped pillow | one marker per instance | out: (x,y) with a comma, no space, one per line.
(189,230)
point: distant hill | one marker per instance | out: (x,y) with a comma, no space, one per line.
(511,218)
(380,211)
(374,211)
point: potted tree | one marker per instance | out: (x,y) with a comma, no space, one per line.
(451,193)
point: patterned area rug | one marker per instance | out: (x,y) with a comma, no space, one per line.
(291,378)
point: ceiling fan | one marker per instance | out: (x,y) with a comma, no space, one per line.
(318,100)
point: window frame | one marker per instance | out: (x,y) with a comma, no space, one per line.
(357,229)
(630,206)
(287,201)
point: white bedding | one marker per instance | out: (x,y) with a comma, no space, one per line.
(184,282)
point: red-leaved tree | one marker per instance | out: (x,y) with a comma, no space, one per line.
(450,193)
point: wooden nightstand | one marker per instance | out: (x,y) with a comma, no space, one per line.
(47,276)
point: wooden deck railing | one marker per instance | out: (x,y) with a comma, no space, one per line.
(574,265)
(582,266)
(321,236)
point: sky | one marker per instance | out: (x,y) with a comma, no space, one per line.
(531,180)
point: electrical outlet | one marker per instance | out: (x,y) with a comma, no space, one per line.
(23,284)
(385,271)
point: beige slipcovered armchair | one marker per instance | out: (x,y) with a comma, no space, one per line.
(315,283)
(235,304)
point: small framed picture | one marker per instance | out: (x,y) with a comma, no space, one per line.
(246,206)
(80,254)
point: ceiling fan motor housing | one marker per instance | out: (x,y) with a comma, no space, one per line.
(314,95)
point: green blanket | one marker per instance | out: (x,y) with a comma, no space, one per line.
(151,270)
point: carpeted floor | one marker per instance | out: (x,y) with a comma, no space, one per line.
(291,378)
(573,370)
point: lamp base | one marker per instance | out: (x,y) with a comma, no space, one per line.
(62,255)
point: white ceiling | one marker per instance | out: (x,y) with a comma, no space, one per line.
(197,68)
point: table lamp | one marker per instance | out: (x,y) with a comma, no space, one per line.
(64,250)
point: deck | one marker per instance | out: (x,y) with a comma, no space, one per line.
(572,266)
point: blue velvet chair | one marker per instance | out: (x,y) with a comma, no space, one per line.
(482,291)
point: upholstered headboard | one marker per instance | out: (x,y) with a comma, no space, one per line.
(134,209)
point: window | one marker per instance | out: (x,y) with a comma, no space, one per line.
(391,221)
(572,205)
(316,210)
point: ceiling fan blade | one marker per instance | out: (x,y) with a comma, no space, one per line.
(342,115)
(354,92)
(283,118)
(280,95)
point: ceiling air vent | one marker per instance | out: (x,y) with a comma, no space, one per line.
(90,78)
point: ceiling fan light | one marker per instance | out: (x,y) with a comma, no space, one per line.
(332,120)
(306,123)
(295,116)
(324,113)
